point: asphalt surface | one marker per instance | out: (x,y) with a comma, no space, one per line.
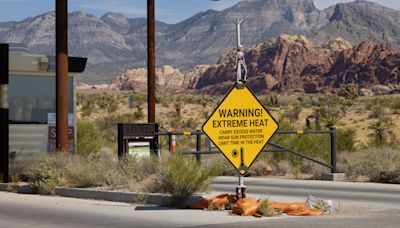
(355,205)
(18,210)
(343,193)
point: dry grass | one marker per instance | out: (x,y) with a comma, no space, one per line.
(267,210)
(378,164)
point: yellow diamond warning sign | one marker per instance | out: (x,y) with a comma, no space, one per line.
(240,127)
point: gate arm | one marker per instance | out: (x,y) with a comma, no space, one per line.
(301,155)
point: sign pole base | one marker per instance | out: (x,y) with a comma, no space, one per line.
(241,188)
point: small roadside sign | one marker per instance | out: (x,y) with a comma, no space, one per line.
(240,127)
(131,101)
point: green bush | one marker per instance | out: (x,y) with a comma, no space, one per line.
(345,140)
(89,139)
(383,134)
(183,176)
(108,126)
(45,175)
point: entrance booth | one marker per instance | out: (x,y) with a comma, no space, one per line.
(32,104)
(137,139)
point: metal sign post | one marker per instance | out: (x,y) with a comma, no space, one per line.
(240,127)
(4,116)
(62,74)
(151,63)
(240,62)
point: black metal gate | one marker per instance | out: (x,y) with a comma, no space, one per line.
(277,148)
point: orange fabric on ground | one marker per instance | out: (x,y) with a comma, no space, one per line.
(219,202)
(298,208)
(246,206)
(250,206)
(201,204)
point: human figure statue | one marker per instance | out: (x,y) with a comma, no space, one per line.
(241,63)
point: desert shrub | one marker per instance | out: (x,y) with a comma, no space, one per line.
(90,171)
(189,124)
(138,114)
(292,113)
(112,107)
(349,91)
(316,146)
(382,133)
(88,138)
(220,164)
(315,169)
(266,208)
(260,168)
(45,175)
(108,125)
(330,115)
(379,164)
(178,108)
(87,109)
(345,140)
(307,101)
(377,113)
(270,101)
(282,168)
(183,176)
(395,106)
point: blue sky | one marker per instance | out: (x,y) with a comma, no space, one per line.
(170,11)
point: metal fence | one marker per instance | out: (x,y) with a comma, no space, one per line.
(277,148)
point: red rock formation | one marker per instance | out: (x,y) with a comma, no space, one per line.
(291,64)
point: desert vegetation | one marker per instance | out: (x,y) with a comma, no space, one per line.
(364,124)
(180,176)
(367,144)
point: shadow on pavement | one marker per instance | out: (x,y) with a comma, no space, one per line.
(153,208)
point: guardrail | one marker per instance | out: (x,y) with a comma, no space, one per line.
(277,147)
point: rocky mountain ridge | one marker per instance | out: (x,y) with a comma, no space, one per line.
(115,43)
(287,65)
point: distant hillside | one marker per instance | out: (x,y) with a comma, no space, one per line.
(115,43)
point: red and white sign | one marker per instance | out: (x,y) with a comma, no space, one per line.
(52,147)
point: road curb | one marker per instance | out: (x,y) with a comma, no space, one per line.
(108,195)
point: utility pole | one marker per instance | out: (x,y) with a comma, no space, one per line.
(4,116)
(151,63)
(62,74)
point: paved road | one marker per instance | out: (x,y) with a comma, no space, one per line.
(361,205)
(361,194)
(18,210)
